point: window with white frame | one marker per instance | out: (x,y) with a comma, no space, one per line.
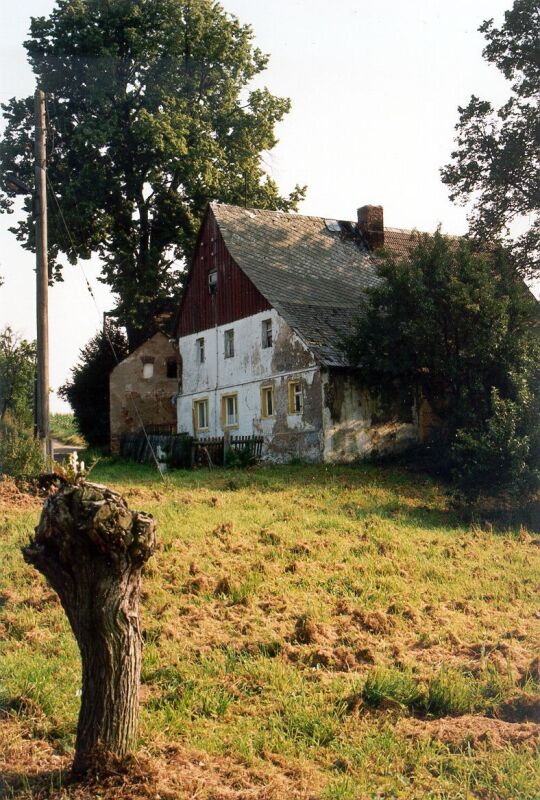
(267,333)
(267,401)
(229,343)
(296,399)
(200,350)
(229,411)
(200,415)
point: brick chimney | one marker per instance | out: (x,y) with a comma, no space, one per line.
(371,225)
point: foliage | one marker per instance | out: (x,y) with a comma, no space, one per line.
(458,328)
(21,454)
(88,390)
(230,700)
(497,162)
(150,118)
(17,375)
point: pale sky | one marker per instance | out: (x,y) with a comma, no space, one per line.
(375,89)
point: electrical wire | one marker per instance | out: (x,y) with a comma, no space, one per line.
(105,331)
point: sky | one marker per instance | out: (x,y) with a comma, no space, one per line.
(375,89)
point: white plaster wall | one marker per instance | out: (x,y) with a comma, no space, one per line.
(250,368)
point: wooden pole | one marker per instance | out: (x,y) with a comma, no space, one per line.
(42,275)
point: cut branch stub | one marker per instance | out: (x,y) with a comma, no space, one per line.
(91,547)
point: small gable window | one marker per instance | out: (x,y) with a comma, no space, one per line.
(229,343)
(148,367)
(267,333)
(200,350)
(212,281)
(172,368)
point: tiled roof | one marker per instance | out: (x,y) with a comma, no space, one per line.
(313,276)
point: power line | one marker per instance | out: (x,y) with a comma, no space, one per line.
(105,330)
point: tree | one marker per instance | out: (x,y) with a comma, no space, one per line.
(17,376)
(149,119)
(88,390)
(91,548)
(497,160)
(20,452)
(458,328)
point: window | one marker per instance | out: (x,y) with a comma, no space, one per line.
(267,333)
(229,411)
(295,397)
(200,415)
(212,281)
(172,368)
(148,370)
(267,401)
(200,351)
(229,343)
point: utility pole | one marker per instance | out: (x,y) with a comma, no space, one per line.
(42,275)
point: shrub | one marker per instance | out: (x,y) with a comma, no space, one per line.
(21,454)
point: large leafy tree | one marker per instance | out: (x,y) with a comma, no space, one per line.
(149,118)
(457,327)
(497,159)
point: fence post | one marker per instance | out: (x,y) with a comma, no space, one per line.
(226,446)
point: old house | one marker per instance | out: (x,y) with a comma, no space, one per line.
(142,389)
(267,302)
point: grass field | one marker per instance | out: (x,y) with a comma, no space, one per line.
(310,632)
(64,428)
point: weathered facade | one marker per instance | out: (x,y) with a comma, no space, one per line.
(143,389)
(268,301)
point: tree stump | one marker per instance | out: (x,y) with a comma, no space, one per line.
(91,548)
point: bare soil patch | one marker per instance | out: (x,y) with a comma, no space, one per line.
(473,730)
(32,768)
(13,498)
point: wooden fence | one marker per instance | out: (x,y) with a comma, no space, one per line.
(184,451)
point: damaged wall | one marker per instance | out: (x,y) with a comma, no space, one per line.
(355,425)
(251,369)
(132,394)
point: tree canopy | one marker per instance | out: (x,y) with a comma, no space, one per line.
(457,327)
(497,159)
(150,118)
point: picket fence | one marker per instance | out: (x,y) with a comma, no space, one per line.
(180,450)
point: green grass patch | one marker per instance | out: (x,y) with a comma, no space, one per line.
(293,618)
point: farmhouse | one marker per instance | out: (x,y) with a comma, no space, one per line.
(268,300)
(142,389)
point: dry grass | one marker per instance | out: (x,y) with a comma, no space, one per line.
(310,632)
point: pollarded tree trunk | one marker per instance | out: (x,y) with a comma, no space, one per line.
(91,548)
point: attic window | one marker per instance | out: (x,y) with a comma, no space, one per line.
(212,281)
(172,368)
(267,333)
(148,370)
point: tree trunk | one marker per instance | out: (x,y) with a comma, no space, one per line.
(91,548)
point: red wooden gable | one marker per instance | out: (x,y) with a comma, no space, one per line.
(235,297)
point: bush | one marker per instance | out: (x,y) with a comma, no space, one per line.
(453,325)
(21,454)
